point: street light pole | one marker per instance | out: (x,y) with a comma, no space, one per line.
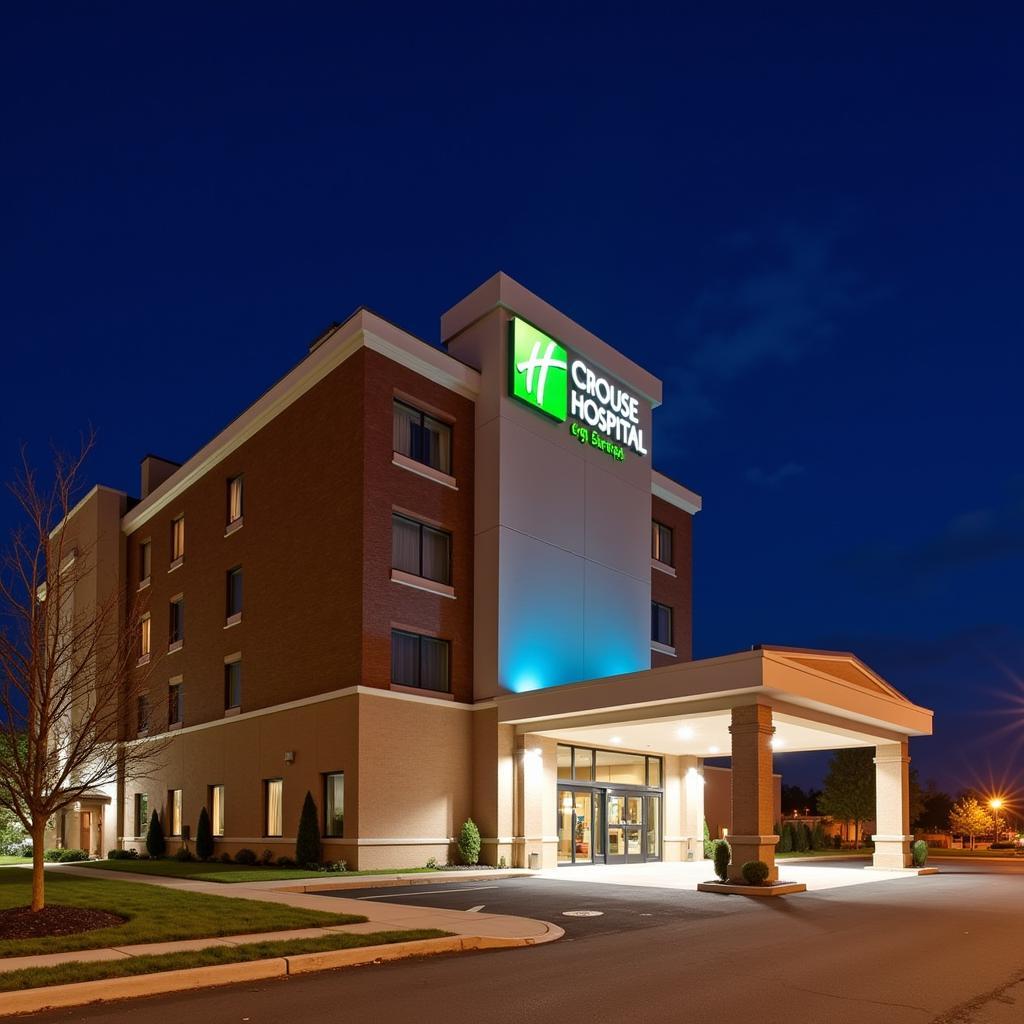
(995,803)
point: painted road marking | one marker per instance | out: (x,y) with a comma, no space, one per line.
(474,910)
(582,913)
(426,892)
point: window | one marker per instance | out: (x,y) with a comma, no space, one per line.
(420,550)
(174,709)
(177,627)
(334,804)
(145,636)
(233,684)
(420,661)
(177,539)
(422,438)
(234,589)
(661,543)
(174,811)
(217,810)
(141,814)
(143,713)
(273,793)
(235,499)
(145,561)
(661,624)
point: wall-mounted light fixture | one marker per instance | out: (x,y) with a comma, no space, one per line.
(289,757)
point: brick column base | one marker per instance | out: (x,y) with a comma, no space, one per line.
(746,848)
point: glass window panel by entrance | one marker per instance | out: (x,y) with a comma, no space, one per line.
(583,833)
(615,811)
(618,766)
(599,825)
(654,771)
(584,765)
(634,810)
(564,756)
(653,832)
(565,826)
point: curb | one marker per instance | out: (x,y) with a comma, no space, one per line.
(388,882)
(106,989)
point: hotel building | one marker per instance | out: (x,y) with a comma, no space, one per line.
(426,584)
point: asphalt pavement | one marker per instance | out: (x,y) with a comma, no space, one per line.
(943,949)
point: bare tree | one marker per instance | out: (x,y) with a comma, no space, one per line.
(68,660)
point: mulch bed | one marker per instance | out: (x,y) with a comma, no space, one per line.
(21,923)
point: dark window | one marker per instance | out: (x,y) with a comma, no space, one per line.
(661,624)
(421,437)
(661,543)
(420,661)
(235,591)
(233,684)
(143,713)
(141,814)
(145,560)
(420,550)
(236,491)
(177,631)
(334,804)
(174,708)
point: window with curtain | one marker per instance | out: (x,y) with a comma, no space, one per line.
(419,436)
(273,798)
(174,705)
(217,810)
(177,538)
(661,543)
(235,491)
(145,636)
(234,589)
(177,626)
(334,804)
(661,623)
(420,550)
(145,560)
(233,684)
(141,814)
(420,661)
(174,809)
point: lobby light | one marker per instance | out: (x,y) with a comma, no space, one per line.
(685,732)
(616,739)
(713,750)
(777,742)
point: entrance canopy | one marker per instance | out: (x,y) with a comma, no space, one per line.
(820,700)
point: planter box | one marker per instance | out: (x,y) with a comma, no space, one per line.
(730,889)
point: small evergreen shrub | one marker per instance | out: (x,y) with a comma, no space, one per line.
(246,856)
(64,856)
(307,842)
(800,837)
(709,846)
(818,841)
(267,858)
(755,872)
(156,845)
(469,842)
(837,842)
(502,863)
(786,841)
(184,854)
(226,858)
(130,854)
(722,854)
(204,836)
(286,862)
(808,836)
(432,863)
(919,851)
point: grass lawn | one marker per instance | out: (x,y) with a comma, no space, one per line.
(214,871)
(14,860)
(864,851)
(971,853)
(65,974)
(155,914)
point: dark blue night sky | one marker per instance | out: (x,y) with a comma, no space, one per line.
(807,223)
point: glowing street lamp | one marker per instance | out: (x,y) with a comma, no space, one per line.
(996,803)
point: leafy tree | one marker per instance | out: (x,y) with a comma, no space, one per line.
(12,834)
(849,793)
(937,806)
(156,845)
(969,818)
(818,836)
(709,846)
(469,842)
(204,836)
(307,842)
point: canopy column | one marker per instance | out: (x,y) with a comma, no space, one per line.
(753,802)
(892,806)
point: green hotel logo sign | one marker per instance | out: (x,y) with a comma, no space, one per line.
(543,376)
(539,370)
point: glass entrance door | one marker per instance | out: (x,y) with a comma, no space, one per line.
(576,832)
(626,829)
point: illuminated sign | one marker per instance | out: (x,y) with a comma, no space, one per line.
(542,376)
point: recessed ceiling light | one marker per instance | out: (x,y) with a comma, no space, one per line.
(616,739)
(777,743)
(713,750)
(685,732)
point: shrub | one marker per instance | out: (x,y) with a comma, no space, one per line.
(432,863)
(502,863)
(709,846)
(800,834)
(156,845)
(204,836)
(818,841)
(64,856)
(469,842)
(129,854)
(837,842)
(245,856)
(919,851)
(721,857)
(267,858)
(786,841)
(808,836)
(183,853)
(226,858)
(755,872)
(285,862)
(307,842)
